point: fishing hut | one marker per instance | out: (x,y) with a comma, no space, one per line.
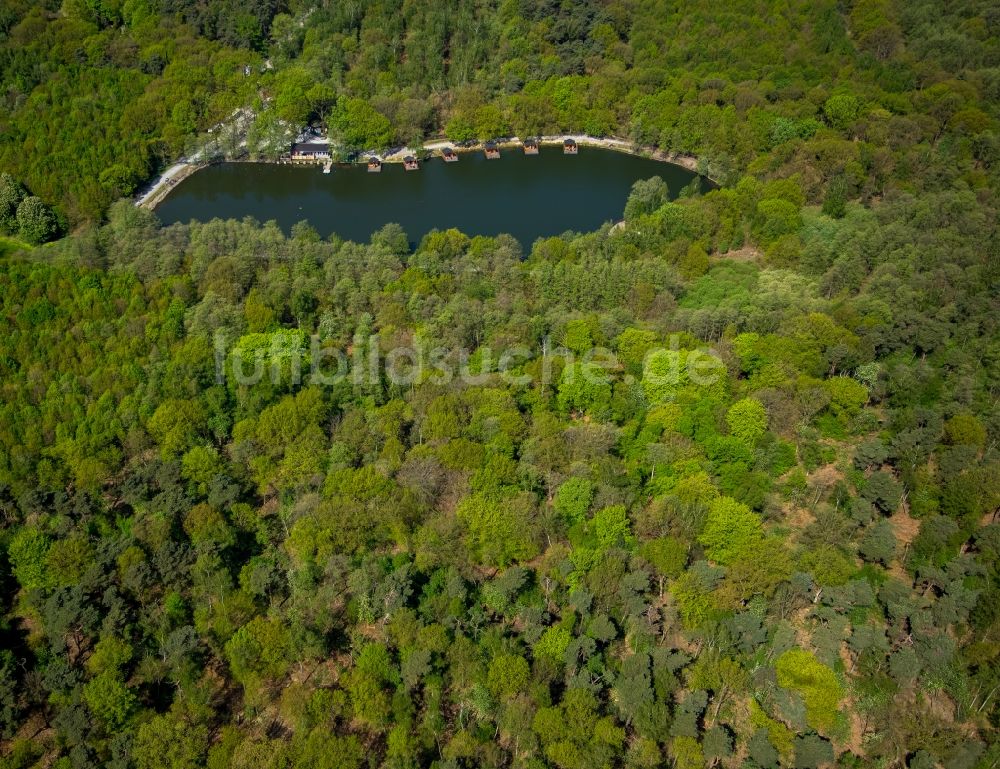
(311,151)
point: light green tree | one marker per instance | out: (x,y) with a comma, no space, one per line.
(553,643)
(170,741)
(508,675)
(572,500)
(664,373)
(847,395)
(687,753)
(109,699)
(584,387)
(774,218)
(841,110)
(358,124)
(577,336)
(965,430)
(27,553)
(500,531)
(730,529)
(747,420)
(799,670)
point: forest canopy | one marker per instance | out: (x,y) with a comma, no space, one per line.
(733,504)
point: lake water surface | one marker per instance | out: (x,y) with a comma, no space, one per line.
(525,196)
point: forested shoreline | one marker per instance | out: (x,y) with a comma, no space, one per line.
(97,97)
(430,150)
(794,562)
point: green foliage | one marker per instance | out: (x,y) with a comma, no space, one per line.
(232,574)
(730,529)
(573,730)
(799,670)
(35,223)
(965,430)
(500,531)
(882,490)
(666,554)
(169,741)
(359,125)
(109,699)
(200,465)
(27,553)
(572,500)
(632,345)
(718,743)
(758,568)
(11,195)
(828,565)
(747,420)
(553,643)
(663,374)
(577,337)
(646,197)
(835,200)
(644,752)
(771,739)
(812,752)
(110,654)
(761,751)
(147,103)
(670,373)
(261,648)
(283,443)
(584,387)
(687,753)
(774,219)
(841,110)
(611,527)
(846,395)
(879,543)
(508,674)
(693,599)
(176,424)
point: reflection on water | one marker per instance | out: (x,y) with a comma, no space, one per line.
(527,197)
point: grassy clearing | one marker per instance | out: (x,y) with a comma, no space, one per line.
(10,245)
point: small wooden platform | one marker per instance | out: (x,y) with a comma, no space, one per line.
(410,163)
(449,155)
(570,147)
(374,166)
(492,151)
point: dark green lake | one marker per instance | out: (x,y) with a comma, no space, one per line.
(525,196)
